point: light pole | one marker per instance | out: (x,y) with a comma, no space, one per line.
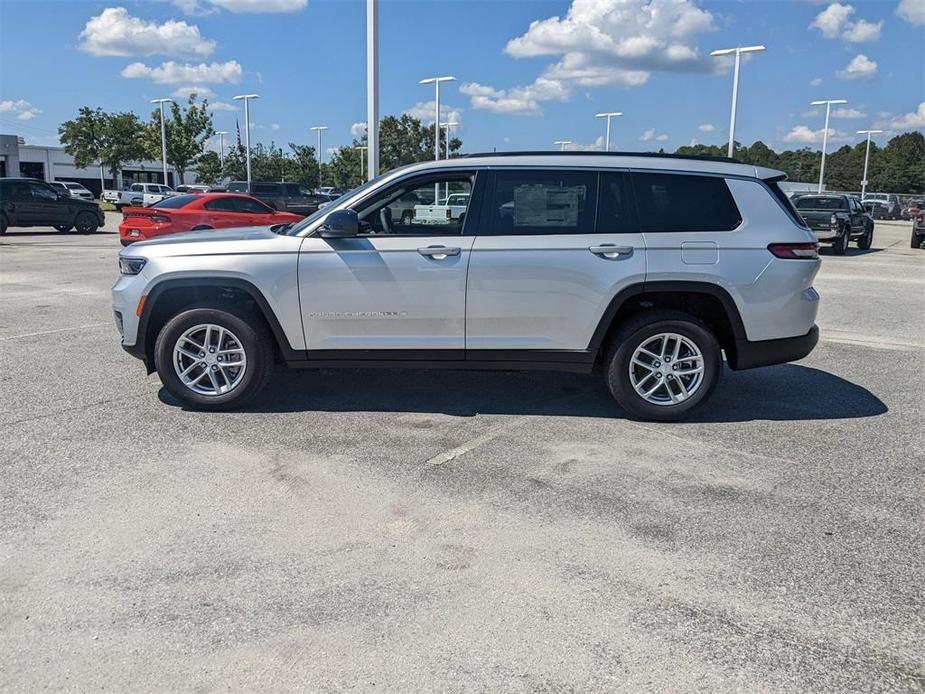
(608,116)
(163,135)
(866,157)
(247,131)
(362,149)
(738,51)
(562,144)
(221,147)
(372,86)
(447,126)
(319,129)
(825,133)
(436,82)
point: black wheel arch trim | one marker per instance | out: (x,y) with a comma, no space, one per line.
(141,340)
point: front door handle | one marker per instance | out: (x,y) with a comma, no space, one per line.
(438,252)
(611,251)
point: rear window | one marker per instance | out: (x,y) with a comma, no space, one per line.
(815,203)
(265,189)
(176,201)
(237,187)
(681,202)
(544,202)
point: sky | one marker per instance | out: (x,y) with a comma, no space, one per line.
(528,72)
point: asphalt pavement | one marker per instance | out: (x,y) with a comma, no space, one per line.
(459,531)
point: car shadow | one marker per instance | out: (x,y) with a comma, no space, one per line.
(13,233)
(780,393)
(852,251)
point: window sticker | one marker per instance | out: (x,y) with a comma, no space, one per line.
(547,206)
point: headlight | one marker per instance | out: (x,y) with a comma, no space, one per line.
(131,266)
(833,220)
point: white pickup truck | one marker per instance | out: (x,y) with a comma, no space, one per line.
(443,211)
(138,195)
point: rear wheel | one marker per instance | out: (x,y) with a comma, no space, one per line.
(663,365)
(214,359)
(86,223)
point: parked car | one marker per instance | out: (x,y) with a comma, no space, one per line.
(138,195)
(913,209)
(198,212)
(444,210)
(918,231)
(288,197)
(74,190)
(837,220)
(29,202)
(884,205)
(194,188)
(402,209)
(715,260)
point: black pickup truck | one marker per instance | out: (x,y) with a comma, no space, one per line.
(283,196)
(838,220)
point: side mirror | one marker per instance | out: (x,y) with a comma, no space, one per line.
(340,224)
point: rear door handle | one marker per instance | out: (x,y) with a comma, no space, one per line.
(611,251)
(438,252)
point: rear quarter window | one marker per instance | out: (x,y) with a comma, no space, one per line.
(683,202)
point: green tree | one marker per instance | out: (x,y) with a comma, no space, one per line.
(108,138)
(903,164)
(188,129)
(209,168)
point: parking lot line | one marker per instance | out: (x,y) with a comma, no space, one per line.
(58,330)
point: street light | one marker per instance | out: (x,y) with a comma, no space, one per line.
(221,147)
(372,86)
(608,116)
(319,129)
(247,131)
(362,149)
(436,82)
(738,51)
(825,133)
(447,126)
(562,144)
(866,157)
(163,135)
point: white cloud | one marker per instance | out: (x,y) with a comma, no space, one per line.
(650,135)
(222,106)
(913,11)
(424,112)
(274,126)
(908,121)
(662,138)
(192,7)
(804,135)
(860,68)
(596,146)
(262,6)
(22,108)
(707,128)
(815,82)
(201,92)
(601,43)
(835,21)
(693,142)
(847,113)
(358,130)
(115,32)
(178,73)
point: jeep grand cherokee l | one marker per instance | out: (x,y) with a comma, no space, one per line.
(649,268)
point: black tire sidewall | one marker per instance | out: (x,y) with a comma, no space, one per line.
(92,227)
(4,225)
(867,240)
(840,247)
(253,338)
(618,367)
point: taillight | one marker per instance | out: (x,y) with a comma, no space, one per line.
(795,251)
(160,219)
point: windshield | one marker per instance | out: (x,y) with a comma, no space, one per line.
(808,203)
(875,196)
(74,186)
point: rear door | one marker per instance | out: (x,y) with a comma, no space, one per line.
(553,248)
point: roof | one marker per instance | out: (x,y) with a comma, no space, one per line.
(604,160)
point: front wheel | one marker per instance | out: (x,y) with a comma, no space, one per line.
(213,359)
(867,240)
(840,247)
(663,365)
(916,240)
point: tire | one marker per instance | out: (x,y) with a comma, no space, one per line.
(407,218)
(201,227)
(840,247)
(86,223)
(64,228)
(916,241)
(867,240)
(640,331)
(251,336)
(4,224)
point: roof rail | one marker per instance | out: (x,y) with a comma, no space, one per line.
(652,155)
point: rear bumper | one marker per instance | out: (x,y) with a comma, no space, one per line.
(751,354)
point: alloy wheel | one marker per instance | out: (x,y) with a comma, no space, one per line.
(666,369)
(209,359)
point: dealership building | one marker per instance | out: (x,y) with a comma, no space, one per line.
(54,164)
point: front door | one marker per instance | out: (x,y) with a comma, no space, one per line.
(554,248)
(399,288)
(45,207)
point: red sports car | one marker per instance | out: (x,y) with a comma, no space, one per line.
(197,212)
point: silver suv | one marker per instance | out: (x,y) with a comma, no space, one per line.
(650,267)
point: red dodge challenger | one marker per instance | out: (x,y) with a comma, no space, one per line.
(197,212)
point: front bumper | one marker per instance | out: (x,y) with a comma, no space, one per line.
(751,354)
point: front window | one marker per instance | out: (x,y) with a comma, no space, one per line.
(393,212)
(40,192)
